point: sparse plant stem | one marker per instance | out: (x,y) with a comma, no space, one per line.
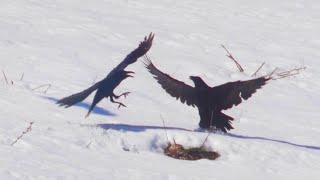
(88,145)
(285,74)
(174,141)
(23,133)
(293,71)
(5,77)
(205,140)
(165,129)
(273,72)
(22,76)
(231,57)
(49,85)
(255,73)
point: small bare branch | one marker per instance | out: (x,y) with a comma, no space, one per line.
(174,141)
(293,71)
(88,145)
(205,140)
(280,77)
(23,133)
(288,73)
(231,57)
(5,77)
(49,85)
(165,129)
(273,72)
(126,149)
(22,76)
(255,73)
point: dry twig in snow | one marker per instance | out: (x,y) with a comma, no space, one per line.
(255,73)
(49,85)
(231,57)
(23,133)
(5,77)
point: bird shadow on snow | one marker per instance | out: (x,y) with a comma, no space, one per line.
(96,109)
(140,128)
(274,140)
(136,128)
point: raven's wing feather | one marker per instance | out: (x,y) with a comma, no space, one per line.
(175,88)
(141,50)
(227,95)
(78,97)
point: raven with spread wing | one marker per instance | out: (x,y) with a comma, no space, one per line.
(209,100)
(106,86)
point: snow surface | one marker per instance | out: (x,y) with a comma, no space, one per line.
(69,44)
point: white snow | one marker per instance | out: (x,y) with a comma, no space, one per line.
(69,44)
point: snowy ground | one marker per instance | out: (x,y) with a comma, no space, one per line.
(69,44)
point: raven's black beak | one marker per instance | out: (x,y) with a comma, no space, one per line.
(128,73)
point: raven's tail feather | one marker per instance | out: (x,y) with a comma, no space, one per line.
(222,122)
(78,97)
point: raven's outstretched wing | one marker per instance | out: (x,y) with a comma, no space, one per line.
(232,93)
(143,48)
(175,88)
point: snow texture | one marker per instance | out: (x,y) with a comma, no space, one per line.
(69,44)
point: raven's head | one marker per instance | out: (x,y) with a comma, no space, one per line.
(121,75)
(198,82)
(195,78)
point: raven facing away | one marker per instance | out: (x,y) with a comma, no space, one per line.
(209,100)
(106,86)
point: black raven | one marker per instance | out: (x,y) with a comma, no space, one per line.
(106,86)
(209,100)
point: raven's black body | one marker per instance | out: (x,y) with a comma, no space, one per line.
(106,86)
(209,100)
(210,113)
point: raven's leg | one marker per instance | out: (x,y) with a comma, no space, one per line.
(120,104)
(206,119)
(125,94)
